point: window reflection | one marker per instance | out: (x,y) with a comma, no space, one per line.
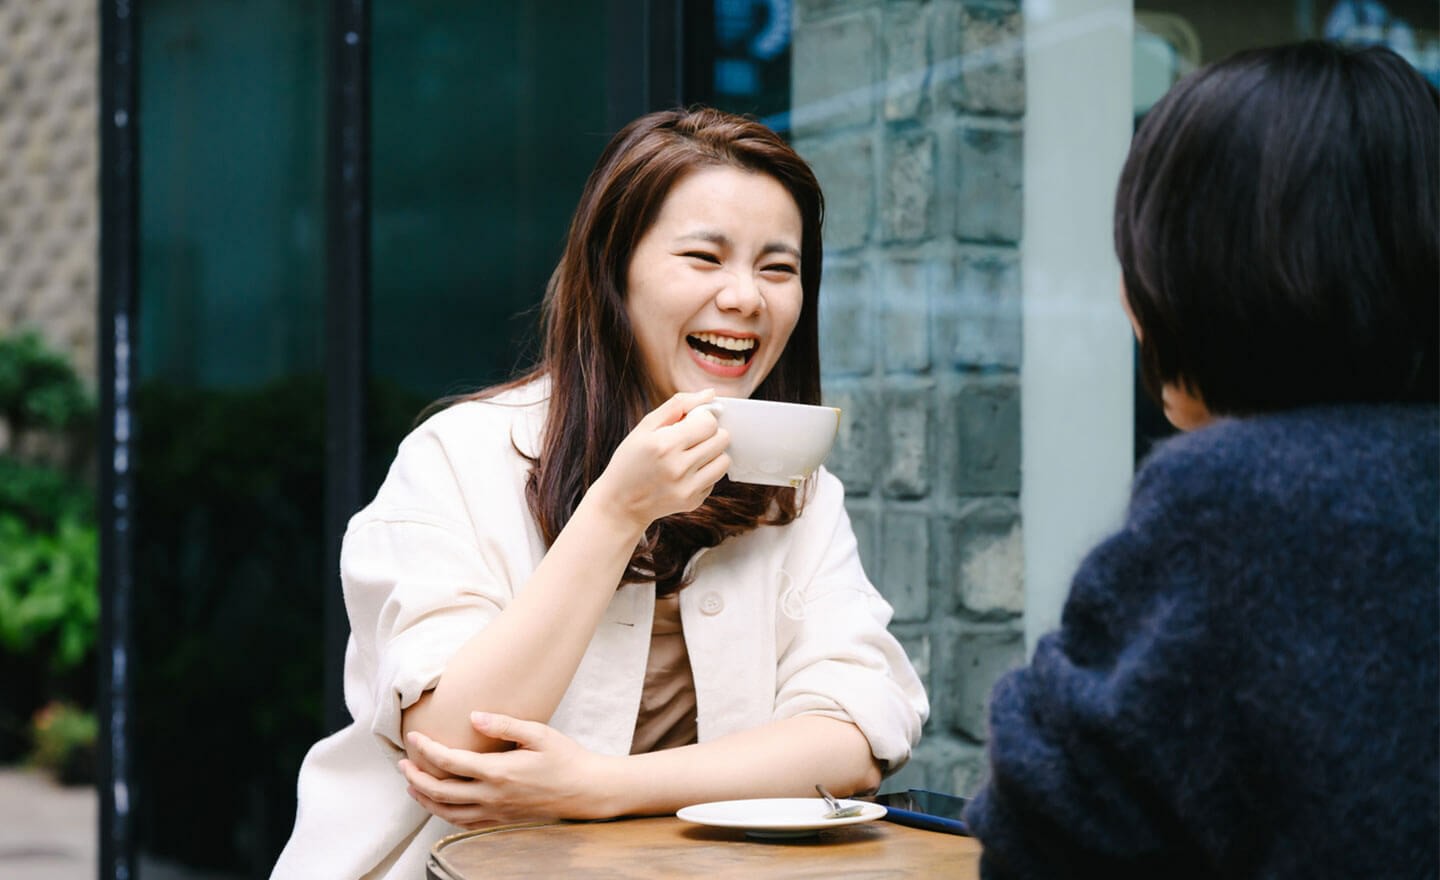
(485,120)
(227,557)
(750,68)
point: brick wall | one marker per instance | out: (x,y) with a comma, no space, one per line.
(49,149)
(910,113)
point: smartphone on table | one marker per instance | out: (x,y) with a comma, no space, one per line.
(918,807)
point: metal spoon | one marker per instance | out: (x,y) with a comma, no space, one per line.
(837,811)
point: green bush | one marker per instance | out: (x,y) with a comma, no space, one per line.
(39,388)
(49,565)
(48,597)
(43,495)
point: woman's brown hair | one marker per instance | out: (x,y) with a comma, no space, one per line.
(598,386)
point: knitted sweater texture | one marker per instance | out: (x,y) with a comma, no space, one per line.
(1244,683)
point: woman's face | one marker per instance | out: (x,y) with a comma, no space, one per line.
(713,288)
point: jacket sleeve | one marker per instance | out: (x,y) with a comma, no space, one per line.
(836,657)
(418,583)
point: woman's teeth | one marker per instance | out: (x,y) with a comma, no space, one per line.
(724,351)
(730,342)
(721,361)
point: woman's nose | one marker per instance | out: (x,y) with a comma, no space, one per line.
(741,295)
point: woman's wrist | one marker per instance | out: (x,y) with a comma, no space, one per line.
(611,513)
(612,790)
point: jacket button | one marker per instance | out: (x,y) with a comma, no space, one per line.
(711,603)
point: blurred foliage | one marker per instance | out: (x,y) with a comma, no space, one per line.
(38,387)
(48,588)
(49,555)
(42,495)
(64,737)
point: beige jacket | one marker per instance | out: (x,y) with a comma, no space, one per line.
(779,622)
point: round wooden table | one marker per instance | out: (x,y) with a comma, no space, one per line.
(664,848)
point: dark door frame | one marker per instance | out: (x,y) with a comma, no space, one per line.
(119,285)
(347,312)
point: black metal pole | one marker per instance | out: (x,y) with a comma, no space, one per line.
(347,297)
(696,53)
(119,287)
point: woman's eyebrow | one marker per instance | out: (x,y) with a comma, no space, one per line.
(722,240)
(706,235)
(782,247)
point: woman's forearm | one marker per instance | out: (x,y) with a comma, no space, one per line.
(782,759)
(521,663)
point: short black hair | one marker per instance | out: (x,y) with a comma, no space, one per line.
(1276,228)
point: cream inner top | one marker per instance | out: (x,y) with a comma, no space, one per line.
(667,704)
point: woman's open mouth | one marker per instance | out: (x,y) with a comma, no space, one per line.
(730,354)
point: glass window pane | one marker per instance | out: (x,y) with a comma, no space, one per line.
(228,560)
(740,57)
(486,120)
(911,115)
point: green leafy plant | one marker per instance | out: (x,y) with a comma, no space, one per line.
(47,588)
(43,495)
(49,567)
(38,387)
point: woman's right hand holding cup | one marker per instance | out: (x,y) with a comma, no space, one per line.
(668,463)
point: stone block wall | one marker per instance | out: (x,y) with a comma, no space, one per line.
(49,163)
(911,114)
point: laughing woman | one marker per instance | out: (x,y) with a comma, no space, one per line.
(559,607)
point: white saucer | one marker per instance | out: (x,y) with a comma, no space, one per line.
(776,817)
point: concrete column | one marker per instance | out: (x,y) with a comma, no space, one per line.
(1076,389)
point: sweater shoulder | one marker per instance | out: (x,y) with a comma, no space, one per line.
(1325,458)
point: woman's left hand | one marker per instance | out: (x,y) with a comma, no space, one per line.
(546,776)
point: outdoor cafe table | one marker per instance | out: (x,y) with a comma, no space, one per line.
(664,848)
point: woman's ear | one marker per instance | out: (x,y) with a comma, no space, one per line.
(1184,407)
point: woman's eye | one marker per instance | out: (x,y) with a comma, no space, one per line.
(702,255)
(784,268)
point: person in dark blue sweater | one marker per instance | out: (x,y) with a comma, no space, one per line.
(1244,683)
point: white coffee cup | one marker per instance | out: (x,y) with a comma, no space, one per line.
(774,443)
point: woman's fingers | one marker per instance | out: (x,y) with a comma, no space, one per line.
(422,762)
(678,450)
(674,409)
(454,762)
(711,446)
(467,816)
(656,470)
(707,461)
(547,775)
(443,791)
(710,473)
(525,734)
(693,431)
